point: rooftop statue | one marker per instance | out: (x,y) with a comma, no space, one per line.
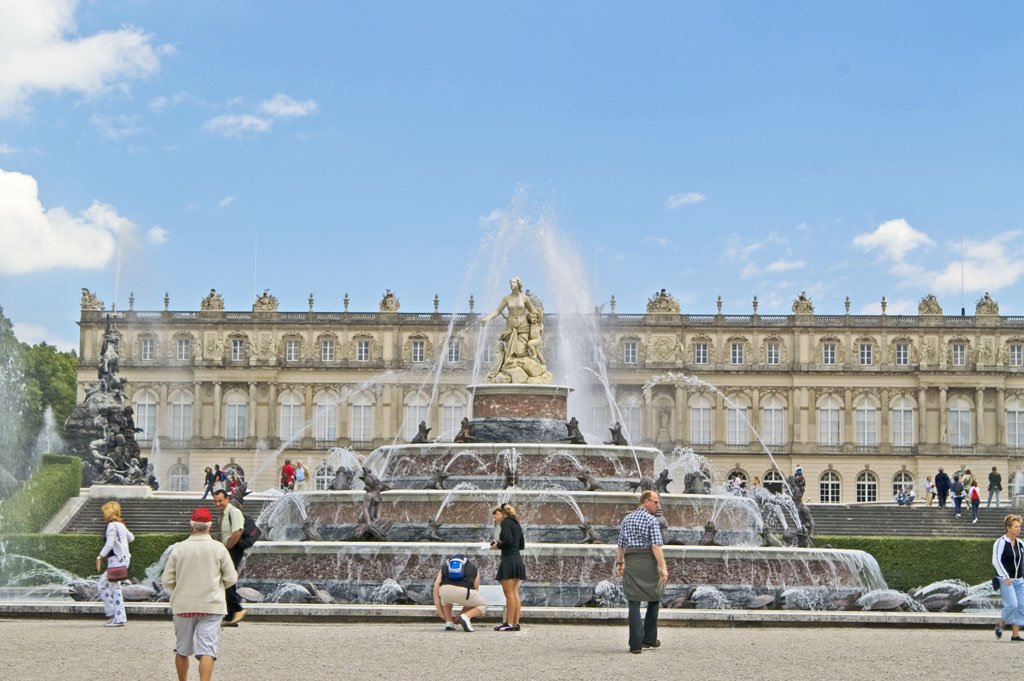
(802,304)
(265,302)
(986,305)
(389,303)
(929,305)
(212,302)
(90,301)
(518,357)
(662,302)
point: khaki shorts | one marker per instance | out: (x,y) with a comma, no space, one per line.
(452,594)
(197,635)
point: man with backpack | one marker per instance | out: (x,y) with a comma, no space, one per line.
(232,526)
(458,583)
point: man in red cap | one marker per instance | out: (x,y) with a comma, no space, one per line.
(197,572)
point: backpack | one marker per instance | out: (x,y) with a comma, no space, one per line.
(456,567)
(974,494)
(251,533)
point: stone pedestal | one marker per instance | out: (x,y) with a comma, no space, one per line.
(520,400)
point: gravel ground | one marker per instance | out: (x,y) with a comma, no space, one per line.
(71,649)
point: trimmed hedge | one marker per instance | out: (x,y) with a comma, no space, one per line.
(76,553)
(910,562)
(58,479)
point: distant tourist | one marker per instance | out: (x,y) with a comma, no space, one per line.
(974,498)
(942,487)
(640,560)
(995,486)
(458,583)
(287,476)
(219,478)
(232,522)
(906,496)
(968,479)
(957,490)
(511,569)
(198,571)
(301,477)
(115,551)
(1008,560)
(929,491)
(208,481)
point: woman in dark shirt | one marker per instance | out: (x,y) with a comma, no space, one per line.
(1008,560)
(511,570)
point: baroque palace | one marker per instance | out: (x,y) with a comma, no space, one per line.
(864,404)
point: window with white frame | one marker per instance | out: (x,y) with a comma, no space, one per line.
(291,417)
(1016,354)
(865,354)
(866,424)
(902,419)
(828,353)
(237,349)
(451,420)
(700,353)
(598,415)
(829,417)
(901,481)
(959,354)
(181,419)
(959,423)
(183,349)
(146,346)
(414,413)
(327,350)
(774,481)
(236,419)
(177,478)
(454,350)
(902,354)
(323,478)
(145,416)
(362,422)
(736,426)
(867,487)
(236,469)
(291,350)
(736,353)
(326,421)
(773,422)
(629,352)
(1015,424)
(418,351)
(363,350)
(631,420)
(829,488)
(773,352)
(700,421)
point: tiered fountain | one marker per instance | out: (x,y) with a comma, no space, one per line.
(392,518)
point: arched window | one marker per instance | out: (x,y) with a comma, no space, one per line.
(700,420)
(829,488)
(959,422)
(1015,423)
(145,415)
(325,417)
(453,410)
(830,412)
(737,424)
(181,418)
(291,417)
(361,423)
(416,407)
(236,417)
(236,469)
(774,481)
(324,476)
(867,486)
(177,478)
(736,480)
(901,481)
(773,421)
(866,422)
(632,423)
(902,419)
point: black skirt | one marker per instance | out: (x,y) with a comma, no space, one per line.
(511,567)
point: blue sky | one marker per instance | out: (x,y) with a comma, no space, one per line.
(711,148)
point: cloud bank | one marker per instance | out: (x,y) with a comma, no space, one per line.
(278,107)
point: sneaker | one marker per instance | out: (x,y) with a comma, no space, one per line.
(236,618)
(114,624)
(466,624)
(974,521)
(656,644)
(635,651)
(999,631)
(449,626)
(516,627)
(505,627)
(1016,638)
(501,626)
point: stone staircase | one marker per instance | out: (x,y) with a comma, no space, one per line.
(153,514)
(879,520)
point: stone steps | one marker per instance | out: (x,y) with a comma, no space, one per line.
(146,515)
(916,521)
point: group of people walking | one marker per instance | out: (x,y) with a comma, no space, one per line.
(962,489)
(218,478)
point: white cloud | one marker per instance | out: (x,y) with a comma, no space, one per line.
(41,51)
(34,334)
(6,149)
(157,235)
(226,201)
(283,106)
(987,266)
(160,103)
(895,238)
(749,270)
(736,250)
(677,200)
(236,125)
(660,241)
(116,127)
(34,239)
(782,265)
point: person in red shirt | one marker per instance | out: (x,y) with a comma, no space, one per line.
(287,475)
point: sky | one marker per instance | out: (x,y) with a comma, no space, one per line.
(713,149)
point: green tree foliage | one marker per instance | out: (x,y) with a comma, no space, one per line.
(50,381)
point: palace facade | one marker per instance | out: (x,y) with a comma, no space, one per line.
(865,404)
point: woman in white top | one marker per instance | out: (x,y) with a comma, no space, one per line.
(115,550)
(929,490)
(1008,560)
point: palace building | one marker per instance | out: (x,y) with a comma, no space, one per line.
(865,404)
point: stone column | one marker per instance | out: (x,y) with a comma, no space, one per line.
(218,408)
(307,416)
(922,415)
(650,418)
(251,426)
(719,420)
(680,421)
(849,433)
(272,410)
(755,410)
(811,399)
(197,409)
(1000,437)
(163,414)
(943,418)
(979,412)
(884,436)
